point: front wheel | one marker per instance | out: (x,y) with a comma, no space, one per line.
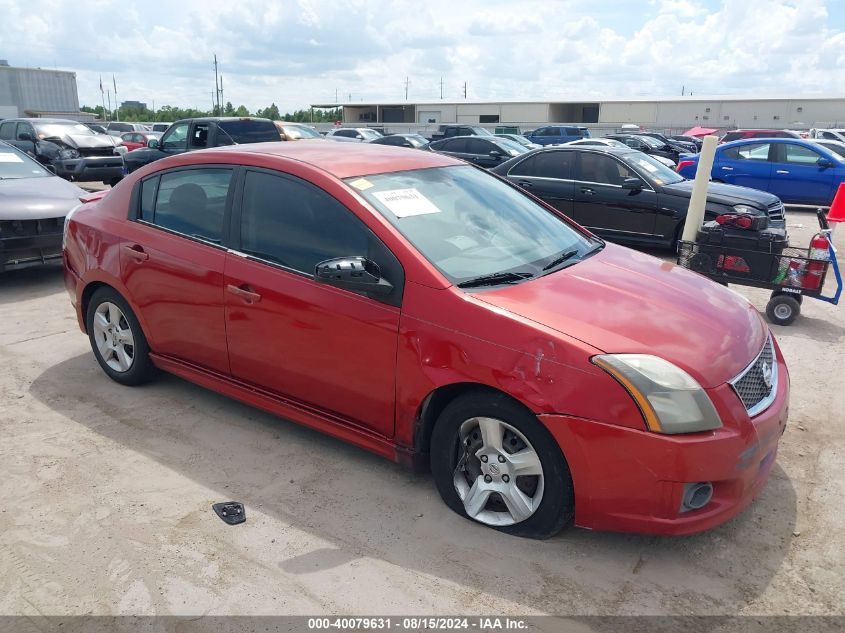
(495,463)
(782,309)
(116,338)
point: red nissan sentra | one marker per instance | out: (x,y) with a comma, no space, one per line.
(425,310)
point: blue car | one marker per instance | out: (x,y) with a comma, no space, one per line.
(557,134)
(795,170)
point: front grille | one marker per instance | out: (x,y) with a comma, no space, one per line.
(30,228)
(776,211)
(97,151)
(757,384)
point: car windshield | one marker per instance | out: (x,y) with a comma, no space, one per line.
(15,164)
(518,138)
(652,170)
(59,130)
(480,131)
(512,147)
(300,131)
(471,225)
(836,147)
(370,134)
(651,142)
(417,137)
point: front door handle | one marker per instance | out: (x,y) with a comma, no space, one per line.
(244,293)
(728,168)
(781,171)
(587,191)
(524,183)
(136,252)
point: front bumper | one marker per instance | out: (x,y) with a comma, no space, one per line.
(30,243)
(90,168)
(628,480)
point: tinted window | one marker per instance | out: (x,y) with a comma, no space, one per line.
(345,133)
(477,146)
(602,169)
(547,165)
(455,145)
(290,222)
(828,135)
(749,151)
(199,136)
(247,131)
(176,137)
(192,202)
(7,131)
(731,136)
(800,155)
(839,148)
(148,198)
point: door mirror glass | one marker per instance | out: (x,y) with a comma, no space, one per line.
(152,143)
(632,184)
(824,163)
(357,274)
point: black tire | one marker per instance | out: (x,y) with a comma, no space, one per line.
(557,506)
(141,369)
(782,309)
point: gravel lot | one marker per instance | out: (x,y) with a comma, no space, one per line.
(106,493)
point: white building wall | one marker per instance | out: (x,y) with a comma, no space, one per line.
(630,112)
(514,112)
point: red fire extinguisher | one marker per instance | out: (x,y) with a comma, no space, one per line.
(819,256)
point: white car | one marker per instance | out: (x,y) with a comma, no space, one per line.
(838,147)
(612,142)
(362,134)
(828,135)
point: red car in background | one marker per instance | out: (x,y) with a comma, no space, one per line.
(137,140)
(425,310)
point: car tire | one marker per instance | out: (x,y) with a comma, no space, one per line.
(117,340)
(537,504)
(782,309)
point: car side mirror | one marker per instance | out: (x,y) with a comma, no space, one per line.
(357,274)
(495,153)
(824,163)
(632,184)
(153,143)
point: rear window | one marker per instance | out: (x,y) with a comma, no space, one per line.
(248,131)
(731,136)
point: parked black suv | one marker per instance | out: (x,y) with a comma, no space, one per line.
(73,150)
(191,134)
(484,151)
(625,195)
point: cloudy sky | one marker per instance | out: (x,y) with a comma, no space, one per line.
(299,52)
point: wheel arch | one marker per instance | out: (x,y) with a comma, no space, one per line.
(94,284)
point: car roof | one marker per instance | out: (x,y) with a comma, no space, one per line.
(342,160)
(36,120)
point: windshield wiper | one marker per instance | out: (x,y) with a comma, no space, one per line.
(557,261)
(496,279)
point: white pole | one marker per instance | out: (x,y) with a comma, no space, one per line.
(695,214)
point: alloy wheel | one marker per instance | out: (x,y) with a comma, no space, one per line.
(113,336)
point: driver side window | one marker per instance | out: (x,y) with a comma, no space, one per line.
(176,138)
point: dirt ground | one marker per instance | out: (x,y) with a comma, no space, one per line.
(106,493)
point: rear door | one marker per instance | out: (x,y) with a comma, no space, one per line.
(171,261)
(548,175)
(479,152)
(547,136)
(747,165)
(318,345)
(603,206)
(797,177)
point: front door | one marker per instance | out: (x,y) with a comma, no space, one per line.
(321,346)
(797,177)
(548,175)
(604,206)
(745,165)
(171,261)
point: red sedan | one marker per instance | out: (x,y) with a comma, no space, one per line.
(423,309)
(137,140)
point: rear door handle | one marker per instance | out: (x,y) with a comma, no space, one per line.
(244,293)
(781,171)
(136,252)
(587,191)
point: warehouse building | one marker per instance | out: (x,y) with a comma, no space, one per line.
(35,92)
(668,114)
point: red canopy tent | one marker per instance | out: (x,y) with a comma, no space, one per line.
(700,131)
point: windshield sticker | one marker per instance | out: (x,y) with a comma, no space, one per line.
(462,242)
(10,158)
(362,184)
(405,203)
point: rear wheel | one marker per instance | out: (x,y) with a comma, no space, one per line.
(117,339)
(782,309)
(495,463)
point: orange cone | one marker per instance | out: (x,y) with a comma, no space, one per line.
(837,209)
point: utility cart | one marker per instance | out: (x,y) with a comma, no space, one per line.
(764,261)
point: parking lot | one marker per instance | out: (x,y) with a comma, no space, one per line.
(105,507)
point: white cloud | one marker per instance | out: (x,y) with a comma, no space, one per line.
(298,53)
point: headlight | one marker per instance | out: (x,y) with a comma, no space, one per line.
(744,208)
(68,153)
(670,399)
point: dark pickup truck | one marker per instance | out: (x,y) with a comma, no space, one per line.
(71,149)
(448,131)
(192,134)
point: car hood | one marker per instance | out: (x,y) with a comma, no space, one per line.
(723,193)
(623,301)
(83,141)
(37,198)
